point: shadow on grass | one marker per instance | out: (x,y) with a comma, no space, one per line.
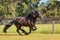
(57,32)
(9,34)
(16,34)
(46,32)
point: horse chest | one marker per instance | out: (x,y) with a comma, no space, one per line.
(30,23)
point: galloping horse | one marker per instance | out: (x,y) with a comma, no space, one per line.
(28,21)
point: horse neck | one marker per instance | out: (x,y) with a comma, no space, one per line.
(33,19)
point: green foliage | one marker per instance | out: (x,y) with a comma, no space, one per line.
(51,9)
(19,9)
(15,8)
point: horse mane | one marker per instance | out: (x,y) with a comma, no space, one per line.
(29,14)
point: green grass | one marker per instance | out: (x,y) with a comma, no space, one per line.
(41,28)
(43,32)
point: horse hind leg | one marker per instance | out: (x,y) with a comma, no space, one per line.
(18,31)
(18,28)
(5,28)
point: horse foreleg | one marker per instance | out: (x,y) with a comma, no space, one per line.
(23,31)
(29,31)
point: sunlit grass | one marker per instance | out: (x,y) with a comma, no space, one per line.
(43,32)
(41,28)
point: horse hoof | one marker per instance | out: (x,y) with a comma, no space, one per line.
(26,33)
(4,31)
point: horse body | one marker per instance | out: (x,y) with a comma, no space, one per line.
(28,21)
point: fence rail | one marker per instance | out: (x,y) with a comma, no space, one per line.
(52,21)
(46,20)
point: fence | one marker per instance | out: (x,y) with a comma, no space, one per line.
(46,21)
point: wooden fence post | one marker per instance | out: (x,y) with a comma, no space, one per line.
(53,22)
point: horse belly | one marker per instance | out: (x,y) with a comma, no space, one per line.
(28,24)
(24,23)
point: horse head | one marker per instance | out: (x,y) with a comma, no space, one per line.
(39,15)
(35,14)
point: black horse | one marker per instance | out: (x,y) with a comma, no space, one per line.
(28,21)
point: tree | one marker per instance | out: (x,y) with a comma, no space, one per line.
(51,9)
(21,8)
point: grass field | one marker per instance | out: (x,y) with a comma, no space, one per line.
(43,32)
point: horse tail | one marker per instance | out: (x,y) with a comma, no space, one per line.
(9,24)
